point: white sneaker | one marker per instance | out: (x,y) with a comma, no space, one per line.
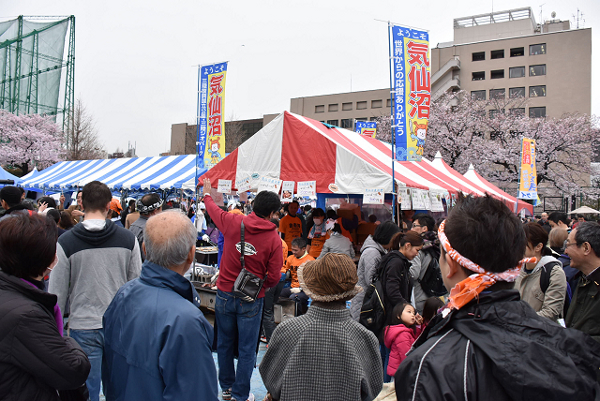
(250,397)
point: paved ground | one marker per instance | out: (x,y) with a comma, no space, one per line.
(256,385)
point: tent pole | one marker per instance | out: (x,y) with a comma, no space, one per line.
(392,123)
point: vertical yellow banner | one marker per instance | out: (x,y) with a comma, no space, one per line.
(528,178)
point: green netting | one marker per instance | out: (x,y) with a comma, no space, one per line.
(32,56)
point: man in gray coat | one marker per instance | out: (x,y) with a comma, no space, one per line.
(371,252)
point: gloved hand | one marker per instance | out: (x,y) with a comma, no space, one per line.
(295,290)
(205,238)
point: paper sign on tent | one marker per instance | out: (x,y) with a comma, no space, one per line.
(224,186)
(287,191)
(373,196)
(307,189)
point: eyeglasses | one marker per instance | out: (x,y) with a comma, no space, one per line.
(568,244)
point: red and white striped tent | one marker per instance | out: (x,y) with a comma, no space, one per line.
(296,148)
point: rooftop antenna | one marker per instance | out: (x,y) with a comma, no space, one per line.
(541,20)
(578,18)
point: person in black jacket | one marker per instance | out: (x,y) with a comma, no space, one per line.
(395,277)
(36,361)
(486,343)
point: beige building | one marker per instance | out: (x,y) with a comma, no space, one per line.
(508,55)
(344,108)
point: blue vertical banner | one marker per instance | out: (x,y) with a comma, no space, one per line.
(211,116)
(412,90)
(367,128)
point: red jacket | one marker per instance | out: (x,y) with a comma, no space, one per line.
(399,339)
(263,252)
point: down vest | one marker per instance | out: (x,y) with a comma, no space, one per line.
(500,349)
(35,361)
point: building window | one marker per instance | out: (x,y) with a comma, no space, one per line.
(362,119)
(347,123)
(516,72)
(537,112)
(388,103)
(514,93)
(478,95)
(332,122)
(495,134)
(373,119)
(346,106)
(535,70)
(495,112)
(517,51)
(537,91)
(497,74)
(518,112)
(497,93)
(376,104)
(479,56)
(320,108)
(361,105)
(534,50)
(479,76)
(497,54)
(333,107)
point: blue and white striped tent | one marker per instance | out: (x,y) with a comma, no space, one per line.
(132,174)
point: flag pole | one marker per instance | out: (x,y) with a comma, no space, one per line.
(392,122)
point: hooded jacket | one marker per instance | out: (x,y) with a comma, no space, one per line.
(499,348)
(157,342)
(396,281)
(549,304)
(35,360)
(371,253)
(399,339)
(262,254)
(92,266)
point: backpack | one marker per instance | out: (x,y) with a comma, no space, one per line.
(545,273)
(372,312)
(431,282)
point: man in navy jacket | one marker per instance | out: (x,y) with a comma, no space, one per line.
(157,341)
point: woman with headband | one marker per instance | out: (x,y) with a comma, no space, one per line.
(487,343)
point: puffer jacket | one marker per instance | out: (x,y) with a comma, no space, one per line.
(35,360)
(399,339)
(337,243)
(498,348)
(549,304)
(371,253)
(396,281)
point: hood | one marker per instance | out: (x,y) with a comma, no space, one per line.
(370,243)
(255,225)
(543,261)
(94,238)
(534,350)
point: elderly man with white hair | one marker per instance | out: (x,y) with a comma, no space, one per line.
(157,341)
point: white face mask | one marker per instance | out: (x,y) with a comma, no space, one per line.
(318,222)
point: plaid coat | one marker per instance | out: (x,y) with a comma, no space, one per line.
(323,355)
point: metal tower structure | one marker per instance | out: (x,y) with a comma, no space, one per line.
(32,60)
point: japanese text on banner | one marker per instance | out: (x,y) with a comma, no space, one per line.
(528,179)
(373,196)
(367,128)
(211,133)
(412,91)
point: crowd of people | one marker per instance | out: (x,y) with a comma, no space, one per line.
(93,297)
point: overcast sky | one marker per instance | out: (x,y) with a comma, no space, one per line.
(135,73)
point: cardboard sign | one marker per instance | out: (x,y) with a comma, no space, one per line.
(373,196)
(243,184)
(269,184)
(224,186)
(307,189)
(287,191)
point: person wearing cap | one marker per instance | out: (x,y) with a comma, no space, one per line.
(148,206)
(10,198)
(324,354)
(114,210)
(95,258)
(487,343)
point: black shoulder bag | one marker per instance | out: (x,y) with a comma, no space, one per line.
(247,285)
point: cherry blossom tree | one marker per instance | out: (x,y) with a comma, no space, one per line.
(488,133)
(29,140)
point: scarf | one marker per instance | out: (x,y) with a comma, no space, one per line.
(472,286)
(57,312)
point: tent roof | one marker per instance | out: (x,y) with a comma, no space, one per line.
(141,173)
(585,210)
(296,148)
